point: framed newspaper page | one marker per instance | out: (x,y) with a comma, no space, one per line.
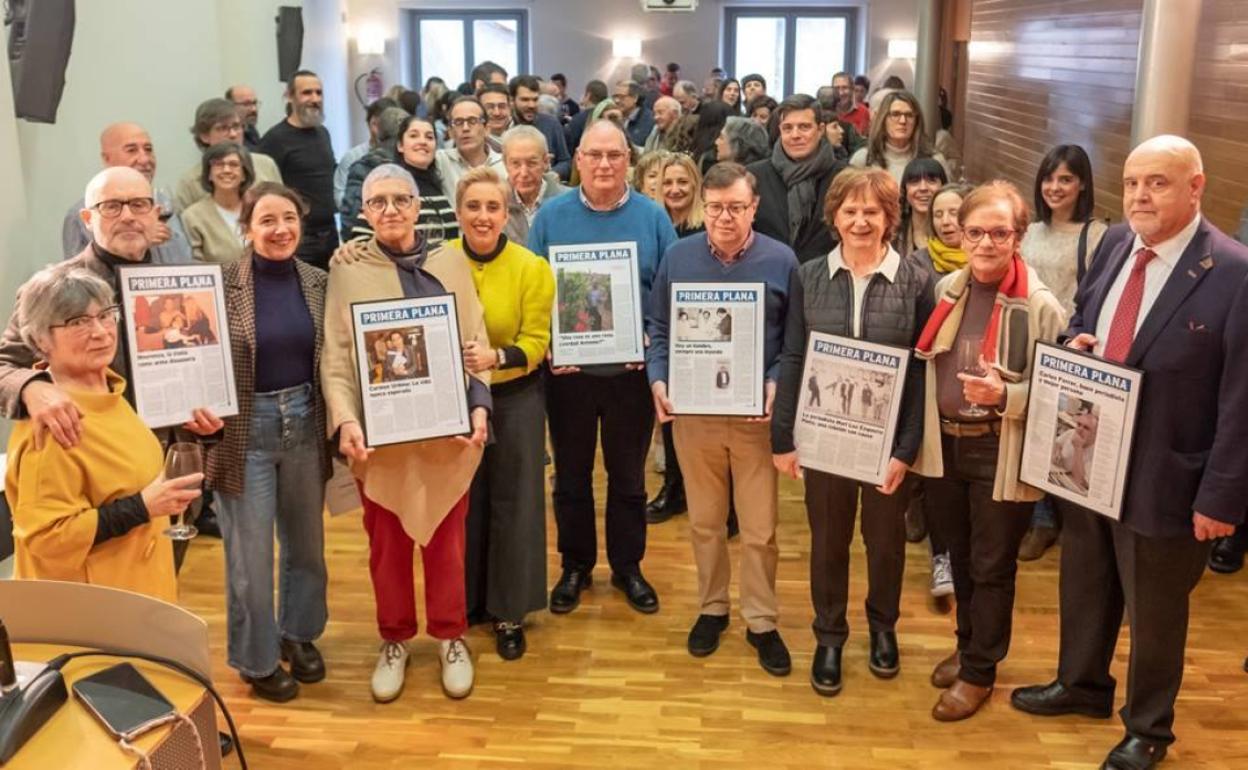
(1080,423)
(848,406)
(411,370)
(715,349)
(177,342)
(597,315)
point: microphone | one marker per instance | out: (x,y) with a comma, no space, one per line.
(24,709)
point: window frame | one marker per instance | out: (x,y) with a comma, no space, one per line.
(413,17)
(790,14)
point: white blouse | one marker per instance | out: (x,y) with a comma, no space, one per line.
(1053,254)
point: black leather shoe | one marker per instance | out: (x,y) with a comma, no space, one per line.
(883,661)
(667,503)
(825,671)
(278,687)
(509,640)
(640,594)
(704,636)
(1226,557)
(566,594)
(773,656)
(1054,699)
(1134,754)
(306,663)
(734,526)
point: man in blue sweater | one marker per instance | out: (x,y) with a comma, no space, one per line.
(602,210)
(723,456)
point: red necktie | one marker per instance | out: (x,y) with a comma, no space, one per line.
(1122,328)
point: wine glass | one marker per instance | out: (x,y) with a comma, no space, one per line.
(968,363)
(182,459)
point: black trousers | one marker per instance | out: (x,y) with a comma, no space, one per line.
(671,465)
(831,507)
(505,546)
(983,536)
(1108,568)
(576,405)
(317,245)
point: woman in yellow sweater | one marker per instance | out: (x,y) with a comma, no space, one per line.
(505,560)
(92,513)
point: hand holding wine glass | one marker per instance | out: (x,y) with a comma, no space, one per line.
(970,363)
(184,472)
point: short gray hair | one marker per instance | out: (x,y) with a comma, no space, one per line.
(54,295)
(747,138)
(688,86)
(389,171)
(521,132)
(548,104)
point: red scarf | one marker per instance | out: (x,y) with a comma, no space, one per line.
(1012,286)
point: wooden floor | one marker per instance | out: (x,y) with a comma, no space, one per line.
(608,687)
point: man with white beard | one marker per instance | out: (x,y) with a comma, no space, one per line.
(301,147)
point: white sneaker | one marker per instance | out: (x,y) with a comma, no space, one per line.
(457,674)
(942,575)
(390,671)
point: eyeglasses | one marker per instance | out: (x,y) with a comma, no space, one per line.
(597,156)
(466,122)
(229,127)
(229,165)
(735,210)
(900,116)
(400,202)
(111,209)
(999,235)
(496,107)
(81,324)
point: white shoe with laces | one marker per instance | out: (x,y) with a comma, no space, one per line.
(390,671)
(457,673)
(942,575)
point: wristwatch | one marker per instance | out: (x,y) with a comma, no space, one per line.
(501,359)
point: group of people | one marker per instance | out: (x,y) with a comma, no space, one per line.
(871,242)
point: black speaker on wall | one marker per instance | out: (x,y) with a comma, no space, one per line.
(289,41)
(40,35)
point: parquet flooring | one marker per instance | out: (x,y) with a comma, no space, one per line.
(606,687)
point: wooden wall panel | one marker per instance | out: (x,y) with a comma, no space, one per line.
(1047,73)
(1219,109)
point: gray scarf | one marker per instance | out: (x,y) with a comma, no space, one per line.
(801,177)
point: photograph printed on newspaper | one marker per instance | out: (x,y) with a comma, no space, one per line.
(177,342)
(411,370)
(848,406)
(597,315)
(1080,422)
(715,349)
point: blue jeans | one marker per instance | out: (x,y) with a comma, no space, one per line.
(282,486)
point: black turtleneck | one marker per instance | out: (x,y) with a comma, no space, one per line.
(113,261)
(285,336)
(489,256)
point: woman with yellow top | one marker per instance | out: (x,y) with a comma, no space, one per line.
(506,550)
(93,513)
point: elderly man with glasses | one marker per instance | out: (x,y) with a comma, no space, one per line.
(467,121)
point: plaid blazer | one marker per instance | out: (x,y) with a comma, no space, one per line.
(226,461)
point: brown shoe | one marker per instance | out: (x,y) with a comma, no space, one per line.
(960,701)
(1036,542)
(946,671)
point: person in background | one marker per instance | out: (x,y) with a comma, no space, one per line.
(568,107)
(416,493)
(486,73)
(217,121)
(711,121)
(595,93)
(496,101)
(680,192)
(578,402)
(270,467)
(530,181)
(468,120)
(743,141)
(244,98)
(505,558)
(897,136)
(752,87)
(919,182)
(727,457)
(128,145)
(94,512)
(301,147)
(759,109)
(372,114)
(686,92)
(430,95)
(850,108)
(524,91)
(638,119)
(970,464)
(671,76)
(647,174)
(865,290)
(212,223)
(794,181)
(1059,246)
(730,94)
(666,113)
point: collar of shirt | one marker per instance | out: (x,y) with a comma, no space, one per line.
(729,259)
(491,157)
(618,204)
(1169,251)
(537,201)
(887,267)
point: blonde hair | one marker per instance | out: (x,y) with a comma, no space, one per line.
(482,175)
(695,216)
(650,161)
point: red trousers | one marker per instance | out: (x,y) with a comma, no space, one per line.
(390,553)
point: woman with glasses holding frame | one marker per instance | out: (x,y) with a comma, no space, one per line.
(896,137)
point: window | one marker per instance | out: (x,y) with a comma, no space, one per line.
(450,43)
(796,49)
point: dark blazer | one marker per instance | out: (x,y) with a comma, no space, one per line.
(815,239)
(226,461)
(1192,429)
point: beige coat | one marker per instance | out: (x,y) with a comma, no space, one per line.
(1045,320)
(211,238)
(421,481)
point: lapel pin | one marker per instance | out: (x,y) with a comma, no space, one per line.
(1206,263)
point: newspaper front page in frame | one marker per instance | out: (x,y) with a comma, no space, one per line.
(715,349)
(848,406)
(411,370)
(597,316)
(178,342)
